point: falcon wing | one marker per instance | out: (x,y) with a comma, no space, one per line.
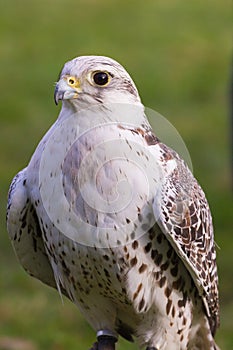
(184,217)
(24,231)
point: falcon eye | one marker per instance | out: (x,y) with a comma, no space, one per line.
(101,78)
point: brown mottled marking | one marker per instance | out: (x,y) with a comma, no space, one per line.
(142,268)
(151,234)
(151,139)
(162,281)
(159,238)
(169,253)
(141,304)
(168,306)
(156,275)
(147,248)
(135,244)
(181,302)
(174,270)
(106,273)
(185,233)
(173,311)
(187,217)
(168,292)
(176,284)
(133,261)
(165,266)
(158,258)
(153,253)
(137,291)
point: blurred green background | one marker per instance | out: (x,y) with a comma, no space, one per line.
(178,53)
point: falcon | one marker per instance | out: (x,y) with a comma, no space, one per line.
(114,219)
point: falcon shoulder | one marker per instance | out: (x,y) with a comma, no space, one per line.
(183,214)
(25,233)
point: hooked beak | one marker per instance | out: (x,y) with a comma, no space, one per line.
(58,94)
(64,91)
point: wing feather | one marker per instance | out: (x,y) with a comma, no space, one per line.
(25,233)
(184,216)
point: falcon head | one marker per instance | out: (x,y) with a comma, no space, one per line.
(95,79)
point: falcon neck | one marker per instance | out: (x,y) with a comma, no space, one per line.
(99,114)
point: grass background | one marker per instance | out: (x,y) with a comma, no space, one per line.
(179,54)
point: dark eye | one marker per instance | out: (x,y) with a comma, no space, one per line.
(101,78)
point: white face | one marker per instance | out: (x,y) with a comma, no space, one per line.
(89,80)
